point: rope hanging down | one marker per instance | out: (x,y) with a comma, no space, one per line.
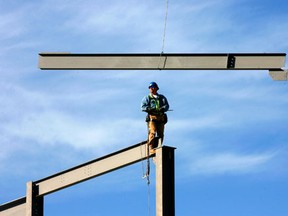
(147,175)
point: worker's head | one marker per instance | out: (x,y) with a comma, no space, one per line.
(153,87)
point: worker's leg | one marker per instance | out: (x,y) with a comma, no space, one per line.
(151,136)
(160,131)
(152,131)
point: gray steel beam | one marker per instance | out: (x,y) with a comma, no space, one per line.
(92,169)
(14,208)
(34,204)
(188,61)
(29,199)
(165,181)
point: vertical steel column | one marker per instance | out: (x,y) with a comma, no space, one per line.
(34,204)
(165,181)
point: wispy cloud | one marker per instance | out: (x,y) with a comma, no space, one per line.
(215,26)
(197,123)
(10,25)
(229,163)
(103,18)
(39,118)
(54,128)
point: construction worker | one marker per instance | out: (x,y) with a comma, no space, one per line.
(155,105)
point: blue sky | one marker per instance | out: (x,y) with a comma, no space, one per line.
(229,127)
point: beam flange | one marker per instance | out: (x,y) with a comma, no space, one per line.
(164,61)
(279,75)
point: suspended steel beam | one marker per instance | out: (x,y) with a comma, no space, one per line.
(274,62)
(232,61)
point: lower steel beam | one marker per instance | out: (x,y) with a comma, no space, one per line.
(92,169)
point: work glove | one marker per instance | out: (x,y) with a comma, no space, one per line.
(162,109)
(150,109)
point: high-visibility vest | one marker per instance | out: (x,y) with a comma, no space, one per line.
(154,102)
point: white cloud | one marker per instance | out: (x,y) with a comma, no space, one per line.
(229,163)
(38,117)
(10,25)
(52,128)
(110,18)
(197,123)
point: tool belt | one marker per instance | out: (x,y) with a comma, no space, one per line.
(157,118)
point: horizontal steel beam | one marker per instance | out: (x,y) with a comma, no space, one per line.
(164,61)
(92,169)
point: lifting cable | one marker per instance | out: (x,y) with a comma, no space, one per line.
(164,37)
(165,26)
(147,173)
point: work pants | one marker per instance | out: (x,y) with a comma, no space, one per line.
(155,126)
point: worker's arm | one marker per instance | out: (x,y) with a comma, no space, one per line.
(164,104)
(145,104)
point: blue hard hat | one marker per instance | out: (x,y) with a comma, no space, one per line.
(153,84)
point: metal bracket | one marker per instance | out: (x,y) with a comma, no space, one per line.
(231,61)
(279,75)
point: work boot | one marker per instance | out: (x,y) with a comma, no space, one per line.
(151,150)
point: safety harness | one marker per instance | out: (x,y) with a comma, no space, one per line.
(156,115)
